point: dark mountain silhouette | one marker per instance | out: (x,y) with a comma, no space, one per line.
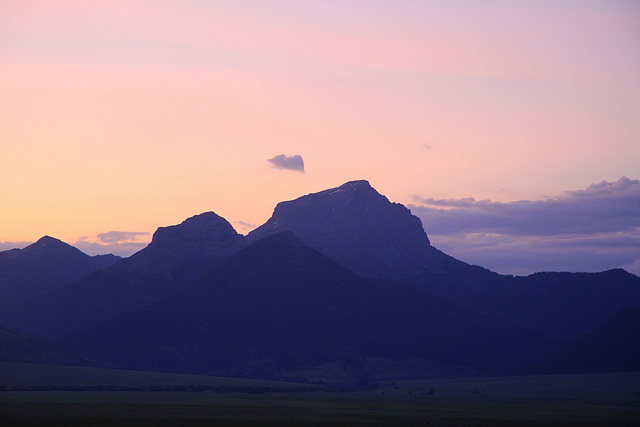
(43,267)
(16,347)
(359,228)
(177,255)
(564,305)
(278,305)
(362,230)
(568,305)
(612,346)
(362,281)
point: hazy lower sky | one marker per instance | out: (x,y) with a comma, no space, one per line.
(117,117)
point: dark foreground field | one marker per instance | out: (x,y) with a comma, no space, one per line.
(567,400)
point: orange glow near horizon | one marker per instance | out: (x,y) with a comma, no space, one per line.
(129,116)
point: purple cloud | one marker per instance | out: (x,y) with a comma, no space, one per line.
(586,230)
(122,243)
(246,225)
(5,246)
(604,207)
(111,237)
(294,163)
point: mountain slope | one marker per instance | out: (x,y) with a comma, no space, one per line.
(176,256)
(364,231)
(43,267)
(279,305)
(358,227)
(569,305)
(18,347)
(612,346)
(561,304)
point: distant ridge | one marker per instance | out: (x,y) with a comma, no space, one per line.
(612,346)
(365,232)
(42,267)
(17,347)
(176,256)
(337,277)
(279,305)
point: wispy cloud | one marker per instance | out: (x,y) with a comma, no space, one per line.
(120,236)
(589,230)
(122,243)
(604,207)
(282,161)
(5,246)
(246,226)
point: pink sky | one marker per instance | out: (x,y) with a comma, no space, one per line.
(126,116)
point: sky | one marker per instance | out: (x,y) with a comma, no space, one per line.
(511,128)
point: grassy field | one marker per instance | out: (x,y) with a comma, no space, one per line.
(567,400)
(26,376)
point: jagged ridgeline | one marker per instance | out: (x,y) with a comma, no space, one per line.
(343,277)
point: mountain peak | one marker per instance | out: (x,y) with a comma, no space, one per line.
(48,240)
(202,240)
(273,250)
(48,244)
(353,187)
(357,226)
(198,229)
(356,185)
(284,239)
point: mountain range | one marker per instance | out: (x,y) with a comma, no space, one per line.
(280,304)
(176,256)
(43,267)
(340,276)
